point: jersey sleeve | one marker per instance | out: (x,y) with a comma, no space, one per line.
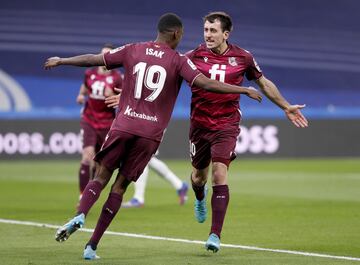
(116,57)
(253,71)
(118,82)
(190,54)
(187,69)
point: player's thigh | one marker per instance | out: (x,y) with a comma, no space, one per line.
(114,149)
(200,148)
(137,157)
(88,133)
(199,176)
(100,138)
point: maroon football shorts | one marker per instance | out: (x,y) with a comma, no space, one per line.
(91,136)
(215,146)
(130,153)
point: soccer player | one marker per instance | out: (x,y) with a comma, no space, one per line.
(163,171)
(153,74)
(96,117)
(138,199)
(214,124)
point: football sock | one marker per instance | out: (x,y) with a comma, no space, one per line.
(219,202)
(140,186)
(109,210)
(199,190)
(89,197)
(84,176)
(93,245)
(163,171)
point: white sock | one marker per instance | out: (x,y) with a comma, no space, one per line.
(163,171)
(140,186)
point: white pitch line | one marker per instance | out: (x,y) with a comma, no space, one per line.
(16,222)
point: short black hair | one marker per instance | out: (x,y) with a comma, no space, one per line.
(225,20)
(169,22)
(108,45)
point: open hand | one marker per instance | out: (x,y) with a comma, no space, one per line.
(295,116)
(254,93)
(80,99)
(52,62)
(113,101)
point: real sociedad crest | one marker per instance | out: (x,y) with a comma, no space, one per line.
(232,61)
(110,79)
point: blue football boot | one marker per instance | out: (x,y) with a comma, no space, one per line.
(213,243)
(200,208)
(89,253)
(64,232)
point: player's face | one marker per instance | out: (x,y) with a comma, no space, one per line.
(214,37)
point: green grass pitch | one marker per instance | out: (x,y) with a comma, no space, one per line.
(301,205)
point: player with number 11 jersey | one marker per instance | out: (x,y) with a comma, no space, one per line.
(98,86)
(209,110)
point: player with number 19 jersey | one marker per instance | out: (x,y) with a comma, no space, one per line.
(213,111)
(151,88)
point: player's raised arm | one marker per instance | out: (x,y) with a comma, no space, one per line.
(223,88)
(85,60)
(292,111)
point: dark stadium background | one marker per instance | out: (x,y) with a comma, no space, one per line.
(310,49)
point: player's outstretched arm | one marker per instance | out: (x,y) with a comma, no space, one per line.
(223,88)
(85,60)
(292,112)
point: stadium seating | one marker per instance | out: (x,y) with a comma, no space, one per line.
(310,62)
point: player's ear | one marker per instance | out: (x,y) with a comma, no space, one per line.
(226,34)
(178,34)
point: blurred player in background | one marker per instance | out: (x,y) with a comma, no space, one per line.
(153,75)
(163,171)
(96,117)
(215,118)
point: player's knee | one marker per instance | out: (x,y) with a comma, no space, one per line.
(87,156)
(199,178)
(86,160)
(120,187)
(219,177)
(102,174)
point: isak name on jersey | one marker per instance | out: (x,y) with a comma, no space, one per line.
(152,52)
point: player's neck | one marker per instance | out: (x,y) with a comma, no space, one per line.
(221,48)
(165,40)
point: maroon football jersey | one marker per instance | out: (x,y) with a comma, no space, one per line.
(218,111)
(153,75)
(98,87)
